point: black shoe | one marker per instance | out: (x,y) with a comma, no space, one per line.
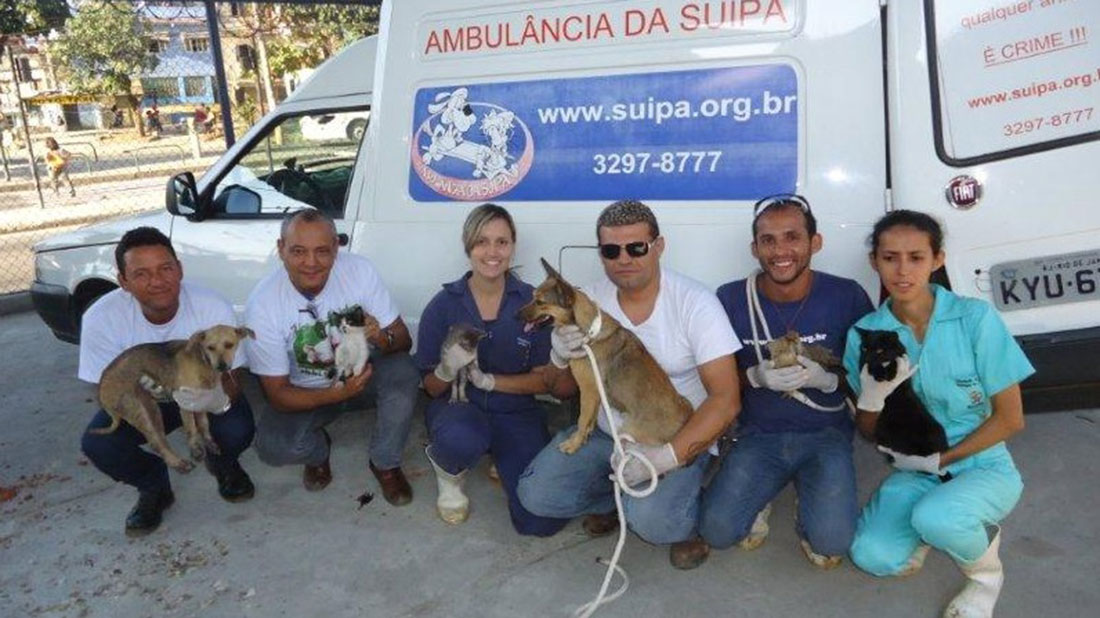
(146,514)
(234,484)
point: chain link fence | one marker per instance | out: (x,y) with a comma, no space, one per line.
(102,101)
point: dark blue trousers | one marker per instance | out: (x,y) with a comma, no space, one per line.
(120,456)
(462,432)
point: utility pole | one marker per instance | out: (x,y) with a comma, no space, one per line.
(219,72)
(26,128)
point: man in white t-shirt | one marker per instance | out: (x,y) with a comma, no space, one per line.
(682,324)
(154,305)
(296,313)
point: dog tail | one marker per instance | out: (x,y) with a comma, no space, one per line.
(115,422)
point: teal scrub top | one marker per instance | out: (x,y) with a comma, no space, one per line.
(967,356)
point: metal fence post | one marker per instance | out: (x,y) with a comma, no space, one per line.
(219,72)
(26,128)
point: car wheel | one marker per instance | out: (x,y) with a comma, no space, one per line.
(356,129)
(86,294)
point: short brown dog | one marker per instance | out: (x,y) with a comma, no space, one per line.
(131,385)
(636,385)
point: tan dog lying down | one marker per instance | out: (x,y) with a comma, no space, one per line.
(131,385)
(653,412)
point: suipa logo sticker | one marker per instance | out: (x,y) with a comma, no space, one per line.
(469,150)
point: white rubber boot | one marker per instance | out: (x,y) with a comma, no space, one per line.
(452,504)
(759,531)
(986,576)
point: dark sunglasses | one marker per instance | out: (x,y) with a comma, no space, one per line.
(636,249)
(780,198)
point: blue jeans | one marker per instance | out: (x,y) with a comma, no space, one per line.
(560,485)
(119,454)
(286,438)
(761,464)
(462,432)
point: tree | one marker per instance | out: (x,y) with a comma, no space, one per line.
(27,16)
(103,47)
(330,29)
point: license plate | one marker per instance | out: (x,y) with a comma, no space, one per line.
(1052,280)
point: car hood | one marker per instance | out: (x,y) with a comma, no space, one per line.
(105,232)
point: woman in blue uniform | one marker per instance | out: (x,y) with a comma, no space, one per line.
(966,369)
(502,415)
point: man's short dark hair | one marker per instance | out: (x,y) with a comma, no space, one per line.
(627,212)
(795,202)
(140,237)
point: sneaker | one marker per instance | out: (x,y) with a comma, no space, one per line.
(234,484)
(759,531)
(601,524)
(819,560)
(688,554)
(146,515)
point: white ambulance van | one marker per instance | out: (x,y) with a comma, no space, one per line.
(983,113)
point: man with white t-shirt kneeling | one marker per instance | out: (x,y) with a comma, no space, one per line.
(155,305)
(682,324)
(297,312)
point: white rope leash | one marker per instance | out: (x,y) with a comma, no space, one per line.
(616,477)
(756,312)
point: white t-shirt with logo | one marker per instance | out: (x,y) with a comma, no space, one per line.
(115,323)
(297,336)
(687,328)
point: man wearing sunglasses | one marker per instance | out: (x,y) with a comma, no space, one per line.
(297,312)
(794,423)
(682,325)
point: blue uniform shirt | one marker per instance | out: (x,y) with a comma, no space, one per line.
(505,350)
(833,305)
(967,356)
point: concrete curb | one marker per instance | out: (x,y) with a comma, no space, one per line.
(16,302)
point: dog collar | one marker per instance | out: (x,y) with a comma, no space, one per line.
(595,326)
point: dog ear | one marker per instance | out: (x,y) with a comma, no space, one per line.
(244,331)
(863,332)
(550,272)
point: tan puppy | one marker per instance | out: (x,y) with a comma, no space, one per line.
(636,385)
(131,385)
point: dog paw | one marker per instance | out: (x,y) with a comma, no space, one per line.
(183,466)
(211,447)
(571,445)
(198,453)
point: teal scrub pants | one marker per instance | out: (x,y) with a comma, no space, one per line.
(911,508)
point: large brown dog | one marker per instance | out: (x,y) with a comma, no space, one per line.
(131,385)
(636,385)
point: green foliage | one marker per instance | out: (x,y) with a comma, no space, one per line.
(31,16)
(314,33)
(102,48)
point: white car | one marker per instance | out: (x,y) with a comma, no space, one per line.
(335,126)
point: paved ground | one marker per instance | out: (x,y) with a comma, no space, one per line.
(290,553)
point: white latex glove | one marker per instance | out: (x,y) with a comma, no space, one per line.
(482,380)
(873,394)
(817,377)
(451,359)
(662,456)
(213,400)
(915,463)
(566,343)
(786,379)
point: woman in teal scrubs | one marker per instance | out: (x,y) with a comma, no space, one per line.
(966,369)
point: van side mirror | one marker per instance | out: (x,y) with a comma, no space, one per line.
(238,200)
(181,197)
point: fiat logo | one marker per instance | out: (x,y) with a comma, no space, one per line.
(963,192)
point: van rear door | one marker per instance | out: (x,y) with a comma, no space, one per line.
(995,121)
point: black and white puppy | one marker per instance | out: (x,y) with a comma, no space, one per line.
(905,426)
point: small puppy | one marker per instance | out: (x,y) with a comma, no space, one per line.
(904,425)
(636,385)
(785,350)
(353,350)
(467,337)
(132,383)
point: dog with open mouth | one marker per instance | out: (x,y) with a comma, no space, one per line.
(652,410)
